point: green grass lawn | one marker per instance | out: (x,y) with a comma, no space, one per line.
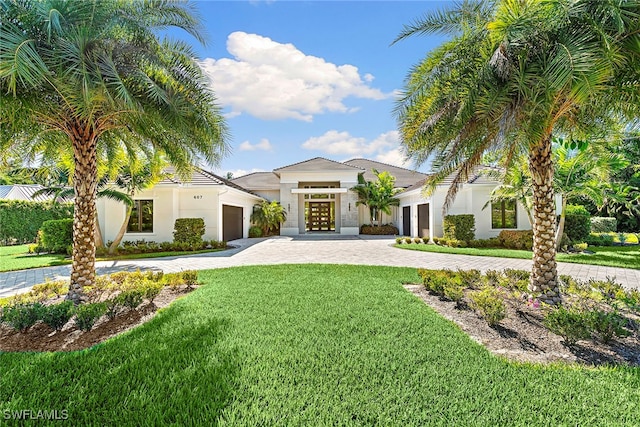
(16,257)
(309,345)
(612,256)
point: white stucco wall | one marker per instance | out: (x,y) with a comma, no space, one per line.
(172,202)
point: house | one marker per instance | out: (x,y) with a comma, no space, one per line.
(224,206)
(316,195)
(26,192)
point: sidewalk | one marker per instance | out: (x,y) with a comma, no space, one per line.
(315,249)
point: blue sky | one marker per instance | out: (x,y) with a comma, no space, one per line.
(300,79)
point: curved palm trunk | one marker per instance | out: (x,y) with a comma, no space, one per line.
(99,240)
(563,216)
(544,272)
(123,229)
(85,184)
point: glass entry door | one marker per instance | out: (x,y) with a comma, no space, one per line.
(320,216)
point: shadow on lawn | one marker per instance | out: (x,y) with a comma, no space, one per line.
(169,371)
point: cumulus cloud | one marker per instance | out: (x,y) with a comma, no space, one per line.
(384,148)
(264,144)
(272,80)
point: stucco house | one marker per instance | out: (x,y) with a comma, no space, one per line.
(316,196)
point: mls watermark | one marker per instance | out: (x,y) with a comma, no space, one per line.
(30,414)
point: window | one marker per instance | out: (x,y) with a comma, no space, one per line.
(320,196)
(141,220)
(503,214)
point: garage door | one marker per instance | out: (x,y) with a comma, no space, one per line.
(231,223)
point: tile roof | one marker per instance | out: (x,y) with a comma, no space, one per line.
(478,176)
(25,192)
(198,177)
(317,164)
(259,181)
(404,177)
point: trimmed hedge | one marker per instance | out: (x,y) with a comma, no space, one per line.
(516,239)
(383,230)
(601,224)
(459,227)
(188,230)
(577,224)
(20,220)
(57,235)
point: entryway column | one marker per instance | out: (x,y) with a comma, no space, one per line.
(349,211)
(289,202)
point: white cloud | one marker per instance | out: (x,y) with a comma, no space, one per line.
(264,144)
(384,148)
(272,80)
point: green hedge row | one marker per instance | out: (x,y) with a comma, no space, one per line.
(56,235)
(459,227)
(20,220)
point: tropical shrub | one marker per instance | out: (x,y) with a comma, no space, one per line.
(383,230)
(255,231)
(56,235)
(189,230)
(152,289)
(417,240)
(606,325)
(470,278)
(57,315)
(489,305)
(459,227)
(268,216)
(88,314)
(22,316)
(399,240)
(453,290)
(577,223)
(600,224)
(190,278)
(408,240)
(516,239)
(580,247)
(571,324)
(599,239)
(22,219)
(131,298)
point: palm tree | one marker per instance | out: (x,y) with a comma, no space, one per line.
(268,216)
(93,77)
(378,195)
(512,74)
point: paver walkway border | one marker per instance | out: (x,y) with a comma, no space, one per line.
(312,249)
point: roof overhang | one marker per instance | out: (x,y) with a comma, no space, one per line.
(319,190)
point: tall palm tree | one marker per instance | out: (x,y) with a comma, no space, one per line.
(93,76)
(512,74)
(379,195)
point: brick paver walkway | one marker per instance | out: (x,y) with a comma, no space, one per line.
(321,249)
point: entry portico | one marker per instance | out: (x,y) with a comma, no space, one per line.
(315,194)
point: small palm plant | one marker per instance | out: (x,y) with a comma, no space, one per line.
(268,216)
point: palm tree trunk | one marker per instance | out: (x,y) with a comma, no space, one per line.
(99,240)
(85,183)
(560,231)
(123,229)
(544,272)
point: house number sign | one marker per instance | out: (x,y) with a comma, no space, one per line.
(198,197)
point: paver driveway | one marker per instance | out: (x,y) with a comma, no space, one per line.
(321,249)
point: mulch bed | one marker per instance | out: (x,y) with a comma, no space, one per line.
(522,337)
(41,337)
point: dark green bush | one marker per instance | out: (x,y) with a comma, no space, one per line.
(57,315)
(57,235)
(131,298)
(516,239)
(489,305)
(23,316)
(606,325)
(599,239)
(571,324)
(601,224)
(577,224)
(88,314)
(22,219)
(459,227)
(255,231)
(189,230)
(383,230)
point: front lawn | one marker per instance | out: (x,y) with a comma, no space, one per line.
(17,258)
(611,256)
(309,345)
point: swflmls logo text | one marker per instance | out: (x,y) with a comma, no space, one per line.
(28,414)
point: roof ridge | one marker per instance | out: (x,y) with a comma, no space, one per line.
(313,158)
(383,163)
(224,181)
